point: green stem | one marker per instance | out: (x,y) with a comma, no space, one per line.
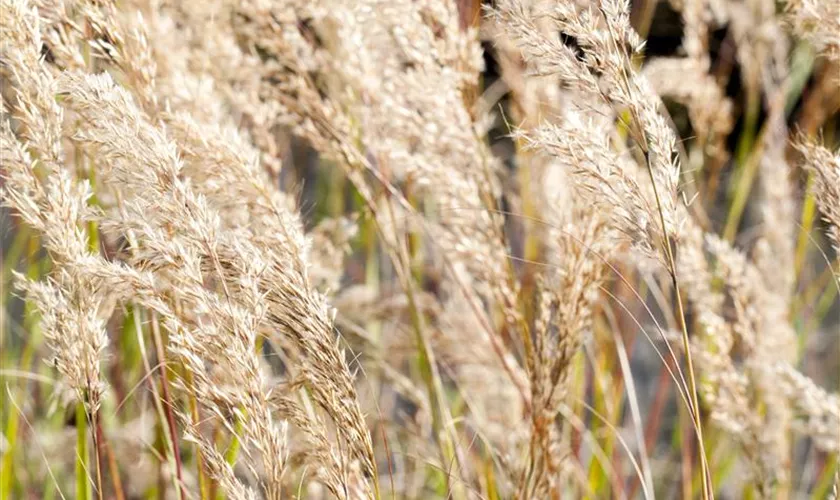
(429,372)
(747,158)
(203,486)
(233,449)
(83,491)
(808,217)
(31,325)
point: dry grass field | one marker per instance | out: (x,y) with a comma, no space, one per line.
(419,249)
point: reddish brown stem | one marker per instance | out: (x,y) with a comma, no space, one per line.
(113,468)
(97,446)
(654,417)
(100,444)
(168,405)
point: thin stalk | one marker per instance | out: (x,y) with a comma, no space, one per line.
(428,372)
(82,460)
(642,141)
(233,448)
(213,492)
(31,325)
(633,402)
(96,434)
(165,416)
(490,479)
(193,404)
(9,259)
(726,465)
(695,400)
(693,396)
(96,431)
(156,399)
(167,406)
(685,458)
(599,476)
(747,159)
(119,493)
(742,194)
(808,217)
(654,417)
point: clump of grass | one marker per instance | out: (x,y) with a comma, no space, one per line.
(418,250)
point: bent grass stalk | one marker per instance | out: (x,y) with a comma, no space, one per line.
(694,395)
